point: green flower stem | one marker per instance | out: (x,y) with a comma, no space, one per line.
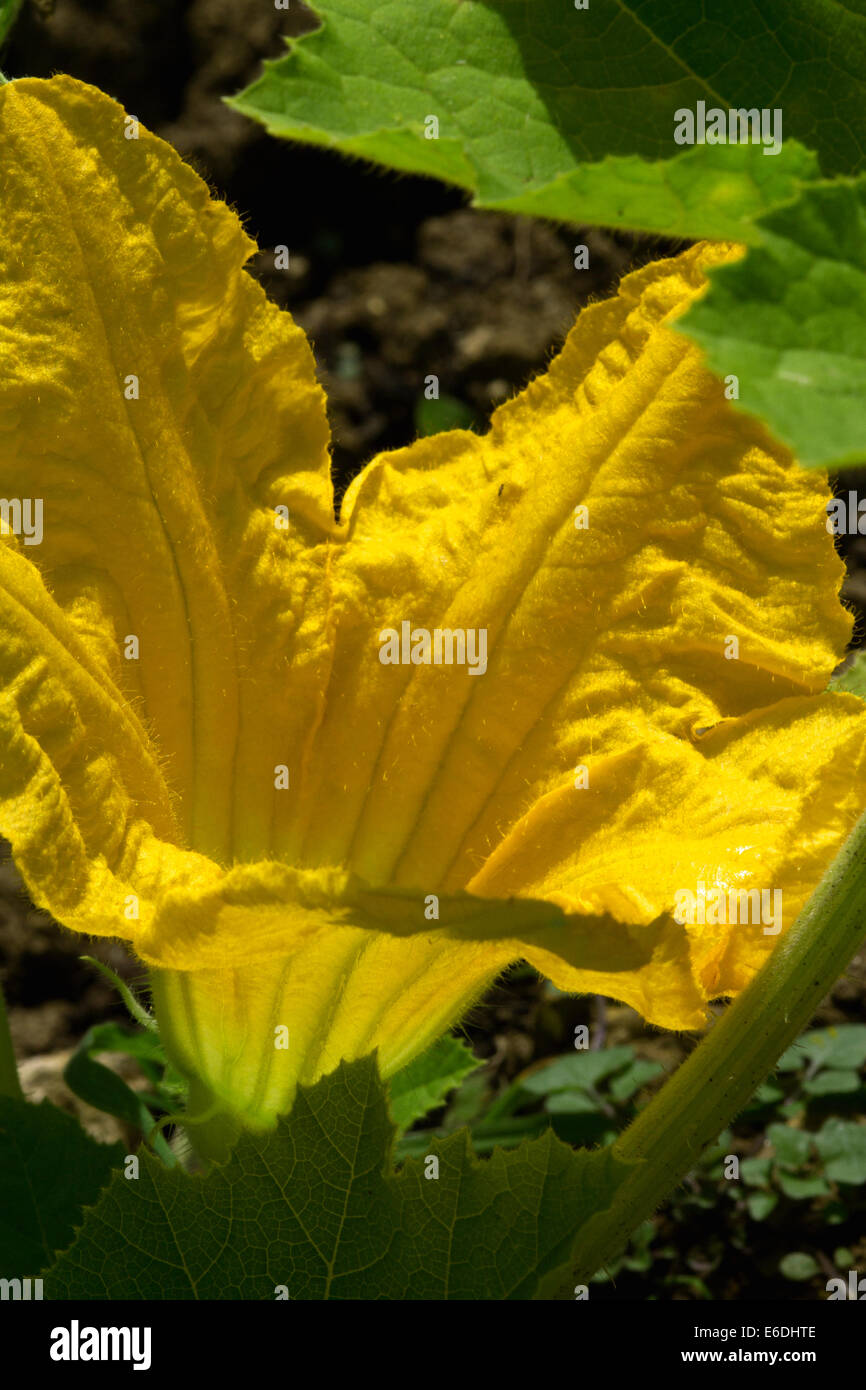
(713,1085)
(10,1085)
(212,1132)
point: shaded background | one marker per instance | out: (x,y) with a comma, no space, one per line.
(393,278)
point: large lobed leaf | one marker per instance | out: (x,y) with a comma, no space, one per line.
(569,113)
(790,321)
(428,1079)
(50,1170)
(315,1210)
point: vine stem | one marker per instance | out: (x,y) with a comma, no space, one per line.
(716,1081)
(10,1084)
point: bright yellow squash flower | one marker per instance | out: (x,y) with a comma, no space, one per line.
(204,746)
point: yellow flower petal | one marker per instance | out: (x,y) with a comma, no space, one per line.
(71,746)
(764,801)
(121,277)
(291,832)
(698,529)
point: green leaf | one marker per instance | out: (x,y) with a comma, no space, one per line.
(843,1046)
(571,1103)
(314,1206)
(580,1069)
(789,321)
(105,1090)
(853,681)
(803,1189)
(798,1266)
(630,1081)
(505,1135)
(513,1098)
(767,1094)
(528,120)
(842,1146)
(832,1083)
(113,1037)
(760,1204)
(444,413)
(424,1084)
(168,1088)
(717,192)
(467,1104)
(795,1057)
(792,1146)
(570,114)
(756,1172)
(49,1170)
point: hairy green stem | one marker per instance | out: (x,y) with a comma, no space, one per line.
(713,1085)
(10,1084)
